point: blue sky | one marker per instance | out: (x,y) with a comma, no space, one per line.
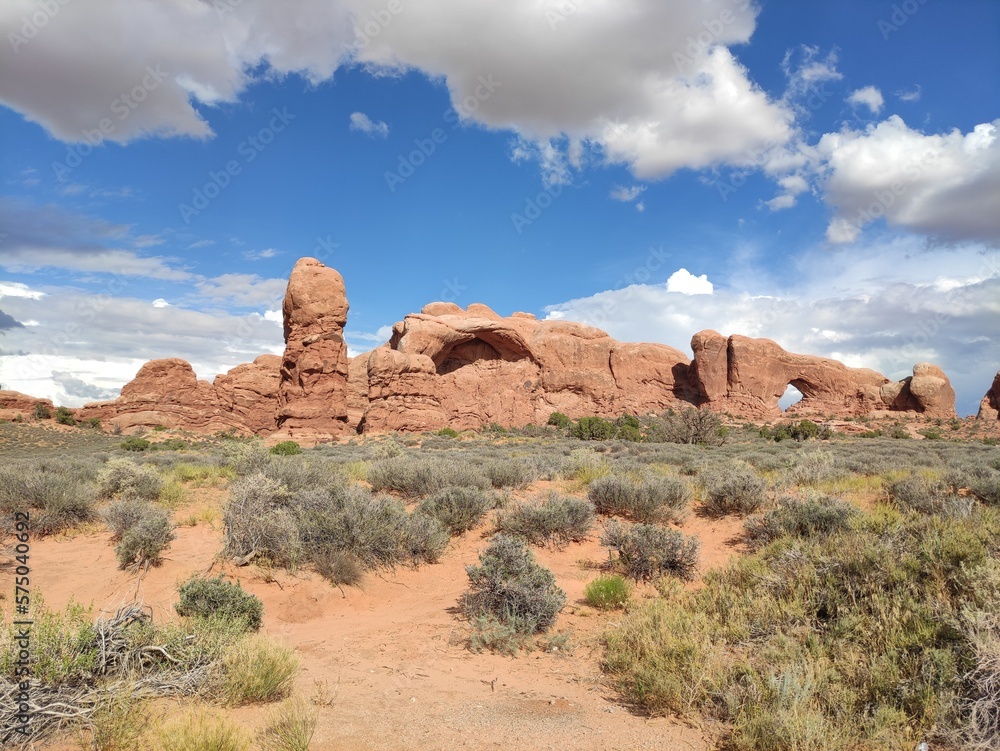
(832,170)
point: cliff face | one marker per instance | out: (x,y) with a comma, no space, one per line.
(989,407)
(448,366)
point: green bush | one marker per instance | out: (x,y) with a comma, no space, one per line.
(42,412)
(458,509)
(559,420)
(218,598)
(124,478)
(286,448)
(64,416)
(558,520)
(143,543)
(608,592)
(647,499)
(593,429)
(256,670)
(510,586)
(931,434)
(134,443)
(447,433)
(735,488)
(647,551)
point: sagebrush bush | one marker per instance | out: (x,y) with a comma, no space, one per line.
(510,586)
(218,598)
(509,473)
(55,498)
(458,509)
(645,499)
(258,521)
(926,496)
(648,551)
(414,477)
(689,426)
(734,488)
(286,448)
(812,516)
(339,567)
(135,444)
(608,592)
(145,540)
(124,478)
(557,520)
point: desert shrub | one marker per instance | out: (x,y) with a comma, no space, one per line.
(218,598)
(559,420)
(558,520)
(42,412)
(171,444)
(585,465)
(201,732)
(931,434)
(339,567)
(987,488)
(257,521)
(124,478)
(64,416)
(900,434)
(510,586)
(508,473)
(247,457)
(424,540)
(735,488)
(56,498)
(814,467)
(290,728)
(593,429)
(608,592)
(143,543)
(458,509)
(134,443)
(648,551)
(415,477)
(257,670)
(487,633)
(121,515)
(447,433)
(918,493)
(689,426)
(645,499)
(815,515)
(286,448)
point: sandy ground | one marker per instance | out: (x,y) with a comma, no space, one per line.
(390,655)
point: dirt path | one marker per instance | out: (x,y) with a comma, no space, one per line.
(390,656)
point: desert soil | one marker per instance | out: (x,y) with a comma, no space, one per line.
(389,658)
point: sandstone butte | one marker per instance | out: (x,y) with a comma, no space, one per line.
(463,368)
(989,407)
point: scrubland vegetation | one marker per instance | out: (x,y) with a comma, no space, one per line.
(861,611)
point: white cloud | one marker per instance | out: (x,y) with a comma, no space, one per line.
(686,283)
(881,305)
(640,206)
(260,255)
(910,96)
(627,194)
(243,289)
(275,316)
(364,124)
(18,289)
(870,97)
(84,65)
(945,185)
(160,303)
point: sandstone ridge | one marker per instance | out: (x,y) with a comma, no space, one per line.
(463,368)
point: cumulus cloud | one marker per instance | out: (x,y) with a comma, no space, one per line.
(8,321)
(19,289)
(885,305)
(686,283)
(260,255)
(869,97)
(913,95)
(945,185)
(363,124)
(82,65)
(247,290)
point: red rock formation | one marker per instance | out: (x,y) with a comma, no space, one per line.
(989,407)
(312,396)
(165,392)
(747,377)
(250,393)
(467,368)
(17,406)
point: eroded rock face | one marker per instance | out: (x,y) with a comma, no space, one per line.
(748,377)
(250,393)
(465,368)
(17,406)
(989,407)
(165,392)
(312,395)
